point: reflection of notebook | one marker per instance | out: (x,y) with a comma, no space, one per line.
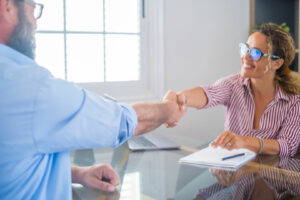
(214,157)
(151,142)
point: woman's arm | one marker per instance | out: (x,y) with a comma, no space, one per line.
(229,140)
(269,146)
(194,97)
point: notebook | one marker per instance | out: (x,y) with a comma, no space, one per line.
(213,157)
(151,142)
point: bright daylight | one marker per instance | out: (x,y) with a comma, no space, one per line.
(101,44)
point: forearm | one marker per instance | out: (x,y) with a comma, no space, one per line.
(151,115)
(195,97)
(270,147)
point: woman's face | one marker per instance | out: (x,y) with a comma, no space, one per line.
(262,67)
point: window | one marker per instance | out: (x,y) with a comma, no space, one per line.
(107,46)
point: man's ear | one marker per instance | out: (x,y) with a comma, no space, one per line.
(278,63)
(8,9)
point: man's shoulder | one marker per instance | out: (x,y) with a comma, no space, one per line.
(12,71)
(24,79)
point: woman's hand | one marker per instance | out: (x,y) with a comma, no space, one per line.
(101,177)
(229,140)
(228,178)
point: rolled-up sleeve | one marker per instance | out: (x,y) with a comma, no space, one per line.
(219,93)
(68,117)
(289,135)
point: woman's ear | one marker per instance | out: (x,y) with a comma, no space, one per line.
(278,63)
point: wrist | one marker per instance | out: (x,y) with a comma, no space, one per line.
(78,174)
(252,143)
(169,106)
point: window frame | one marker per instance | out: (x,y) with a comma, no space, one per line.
(151,83)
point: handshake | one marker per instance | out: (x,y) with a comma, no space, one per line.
(177,104)
(169,111)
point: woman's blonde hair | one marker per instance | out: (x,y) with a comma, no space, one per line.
(282,45)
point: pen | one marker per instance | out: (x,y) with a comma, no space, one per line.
(233,156)
(104,179)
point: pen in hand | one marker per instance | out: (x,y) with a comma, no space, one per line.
(104,179)
(233,156)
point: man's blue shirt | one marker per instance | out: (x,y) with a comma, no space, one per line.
(43,118)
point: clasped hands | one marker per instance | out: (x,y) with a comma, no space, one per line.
(177,107)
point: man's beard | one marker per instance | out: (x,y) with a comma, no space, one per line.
(22,38)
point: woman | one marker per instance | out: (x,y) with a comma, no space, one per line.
(263,101)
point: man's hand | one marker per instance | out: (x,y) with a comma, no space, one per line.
(101,177)
(177,107)
(151,115)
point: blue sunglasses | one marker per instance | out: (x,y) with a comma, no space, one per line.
(255,54)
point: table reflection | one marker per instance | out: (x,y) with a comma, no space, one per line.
(268,177)
(157,175)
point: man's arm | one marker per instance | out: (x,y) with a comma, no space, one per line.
(152,115)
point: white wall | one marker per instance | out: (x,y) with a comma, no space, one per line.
(201,40)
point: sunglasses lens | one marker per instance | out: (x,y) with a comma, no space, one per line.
(243,49)
(255,54)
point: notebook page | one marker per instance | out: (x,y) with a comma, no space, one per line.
(213,157)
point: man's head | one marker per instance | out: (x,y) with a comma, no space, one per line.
(21,29)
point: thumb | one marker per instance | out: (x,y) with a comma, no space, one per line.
(181,99)
(170,95)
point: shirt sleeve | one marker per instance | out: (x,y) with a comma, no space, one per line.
(289,135)
(219,93)
(68,117)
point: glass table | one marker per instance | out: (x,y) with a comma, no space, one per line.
(156,174)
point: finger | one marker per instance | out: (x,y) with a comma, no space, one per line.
(183,108)
(170,95)
(96,183)
(227,142)
(105,186)
(233,144)
(172,124)
(228,138)
(111,174)
(218,140)
(223,140)
(168,125)
(215,142)
(181,99)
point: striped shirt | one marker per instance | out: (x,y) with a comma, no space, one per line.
(280,120)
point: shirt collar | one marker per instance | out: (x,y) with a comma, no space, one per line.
(246,84)
(7,52)
(280,94)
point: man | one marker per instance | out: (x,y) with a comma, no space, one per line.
(43,118)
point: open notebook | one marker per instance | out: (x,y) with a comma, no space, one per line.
(213,157)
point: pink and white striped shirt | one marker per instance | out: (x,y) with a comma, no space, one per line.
(280,120)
